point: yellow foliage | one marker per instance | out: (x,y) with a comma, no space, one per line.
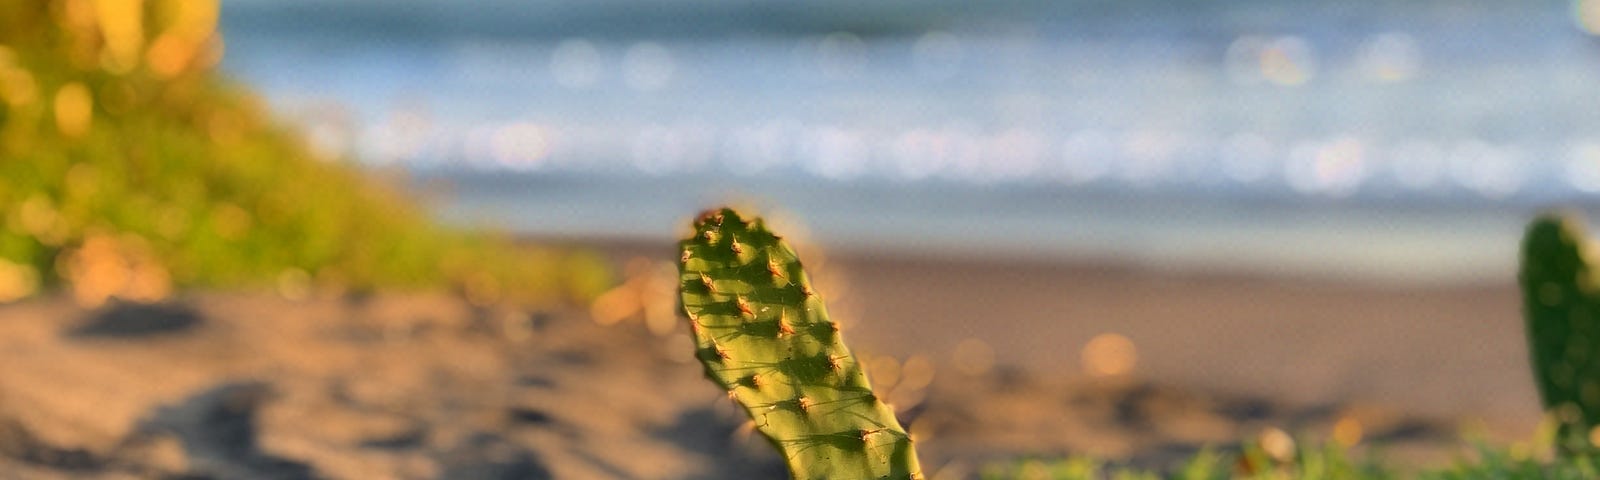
(74,110)
(122,28)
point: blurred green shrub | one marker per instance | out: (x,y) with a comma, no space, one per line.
(128,168)
(1562,316)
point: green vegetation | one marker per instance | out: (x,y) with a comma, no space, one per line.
(1562,309)
(1253,462)
(129,168)
(764,336)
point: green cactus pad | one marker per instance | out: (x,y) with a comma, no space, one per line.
(764,336)
(1561,302)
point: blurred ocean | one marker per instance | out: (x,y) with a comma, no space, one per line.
(1402,141)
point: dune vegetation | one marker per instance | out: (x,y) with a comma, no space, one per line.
(130,168)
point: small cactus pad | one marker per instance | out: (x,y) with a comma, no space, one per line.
(1561,302)
(764,336)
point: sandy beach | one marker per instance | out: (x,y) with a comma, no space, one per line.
(1451,351)
(1454,350)
(985,361)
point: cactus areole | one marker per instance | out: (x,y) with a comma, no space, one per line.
(764,337)
(1561,302)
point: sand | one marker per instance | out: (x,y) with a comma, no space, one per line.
(405,385)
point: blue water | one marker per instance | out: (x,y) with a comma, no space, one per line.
(1393,141)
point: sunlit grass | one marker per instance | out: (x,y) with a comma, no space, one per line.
(1267,458)
(1254,461)
(128,169)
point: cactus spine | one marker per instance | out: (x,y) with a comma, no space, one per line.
(1561,302)
(764,336)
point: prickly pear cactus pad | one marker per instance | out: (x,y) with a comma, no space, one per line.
(1561,302)
(764,336)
